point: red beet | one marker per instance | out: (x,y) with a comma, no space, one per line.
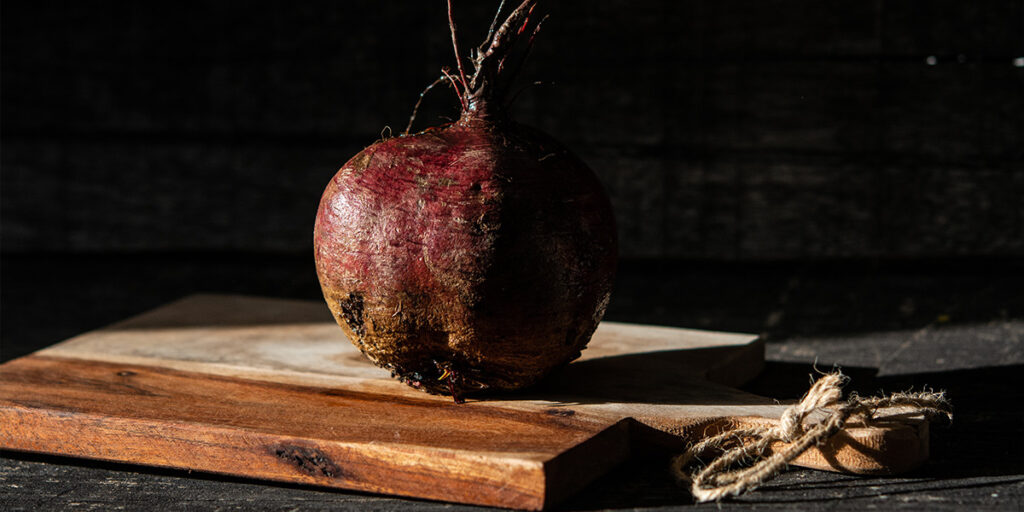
(473,256)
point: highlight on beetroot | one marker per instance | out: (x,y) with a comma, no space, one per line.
(474,256)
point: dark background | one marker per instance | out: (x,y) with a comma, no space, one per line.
(721,129)
(843,177)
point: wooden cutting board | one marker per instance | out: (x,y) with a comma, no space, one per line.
(271,389)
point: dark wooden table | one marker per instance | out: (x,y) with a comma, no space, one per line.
(954,325)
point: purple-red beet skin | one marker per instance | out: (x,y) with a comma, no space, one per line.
(483,253)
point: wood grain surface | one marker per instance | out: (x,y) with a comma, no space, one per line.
(271,389)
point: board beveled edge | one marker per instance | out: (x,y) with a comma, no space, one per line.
(570,471)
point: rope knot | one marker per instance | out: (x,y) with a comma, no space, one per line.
(717,480)
(825,392)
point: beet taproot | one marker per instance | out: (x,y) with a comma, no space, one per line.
(473,256)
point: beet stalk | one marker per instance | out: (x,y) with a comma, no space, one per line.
(473,256)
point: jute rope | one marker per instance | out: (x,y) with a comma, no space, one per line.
(745,445)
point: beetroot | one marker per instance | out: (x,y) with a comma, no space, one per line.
(474,256)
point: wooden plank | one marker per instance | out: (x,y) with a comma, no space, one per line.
(754,205)
(286,70)
(722,130)
(98,196)
(271,389)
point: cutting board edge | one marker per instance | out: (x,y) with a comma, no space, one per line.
(572,470)
(286,459)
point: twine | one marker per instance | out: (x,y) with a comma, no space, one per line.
(716,480)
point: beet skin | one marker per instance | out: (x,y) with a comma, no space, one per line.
(475,256)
